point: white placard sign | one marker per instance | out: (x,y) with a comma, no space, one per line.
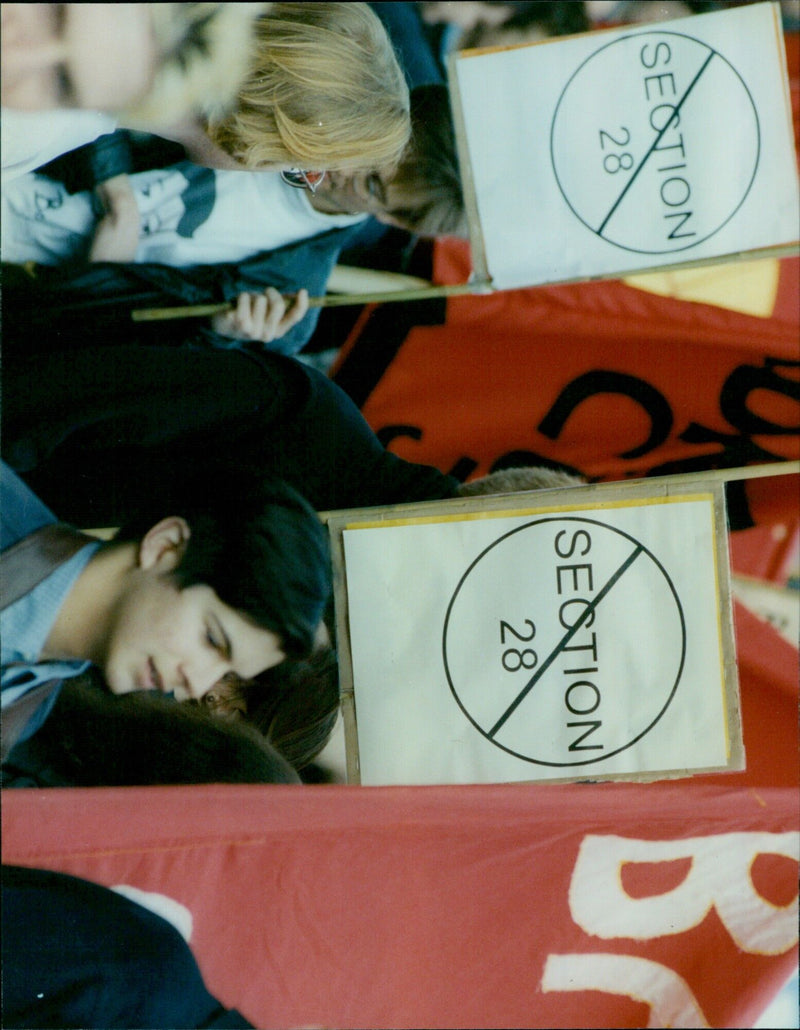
(560,643)
(609,152)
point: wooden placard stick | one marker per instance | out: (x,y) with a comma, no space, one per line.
(330,300)
(489,502)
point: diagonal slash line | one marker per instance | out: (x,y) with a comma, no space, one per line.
(563,642)
(657,140)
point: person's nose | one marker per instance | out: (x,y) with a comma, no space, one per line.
(198,678)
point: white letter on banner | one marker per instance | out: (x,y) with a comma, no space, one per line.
(719,876)
(671,1002)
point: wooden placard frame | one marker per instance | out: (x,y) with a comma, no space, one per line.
(481,273)
(585,496)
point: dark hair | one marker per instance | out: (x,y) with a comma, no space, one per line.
(427,177)
(557,17)
(259,545)
(296,705)
(95,739)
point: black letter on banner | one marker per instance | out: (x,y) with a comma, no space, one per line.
(736,450)
(601,381)
(741,383)
(389,433)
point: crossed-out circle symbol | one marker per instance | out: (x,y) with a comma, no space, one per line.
(655,142)
(555,678)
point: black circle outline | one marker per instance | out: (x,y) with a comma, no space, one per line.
(676,250)
(484,552)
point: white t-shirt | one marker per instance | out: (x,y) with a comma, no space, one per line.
(190,215)
(32,138)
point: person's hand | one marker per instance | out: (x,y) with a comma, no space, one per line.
(116,236)
(262,317)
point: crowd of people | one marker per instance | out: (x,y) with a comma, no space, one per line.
(206,177)
(166,154)
(183,152)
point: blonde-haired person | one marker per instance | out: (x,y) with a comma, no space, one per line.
(323,91)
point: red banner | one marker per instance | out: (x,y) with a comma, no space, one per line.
(600,377)
(668,904)
(603,378)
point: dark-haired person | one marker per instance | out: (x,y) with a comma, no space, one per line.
(96,739)
(74,417)
(236,581)
(77,954)
(295,705)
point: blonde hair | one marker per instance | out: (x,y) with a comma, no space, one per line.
(203,60)
(324,91)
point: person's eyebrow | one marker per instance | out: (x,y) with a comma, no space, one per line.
(227,644)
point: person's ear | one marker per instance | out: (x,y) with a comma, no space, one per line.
(164,544)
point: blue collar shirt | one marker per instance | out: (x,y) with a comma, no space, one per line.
(26,624)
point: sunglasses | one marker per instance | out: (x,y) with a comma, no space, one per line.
(303,180)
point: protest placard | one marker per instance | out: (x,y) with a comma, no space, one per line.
(586,637)
(629,149)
